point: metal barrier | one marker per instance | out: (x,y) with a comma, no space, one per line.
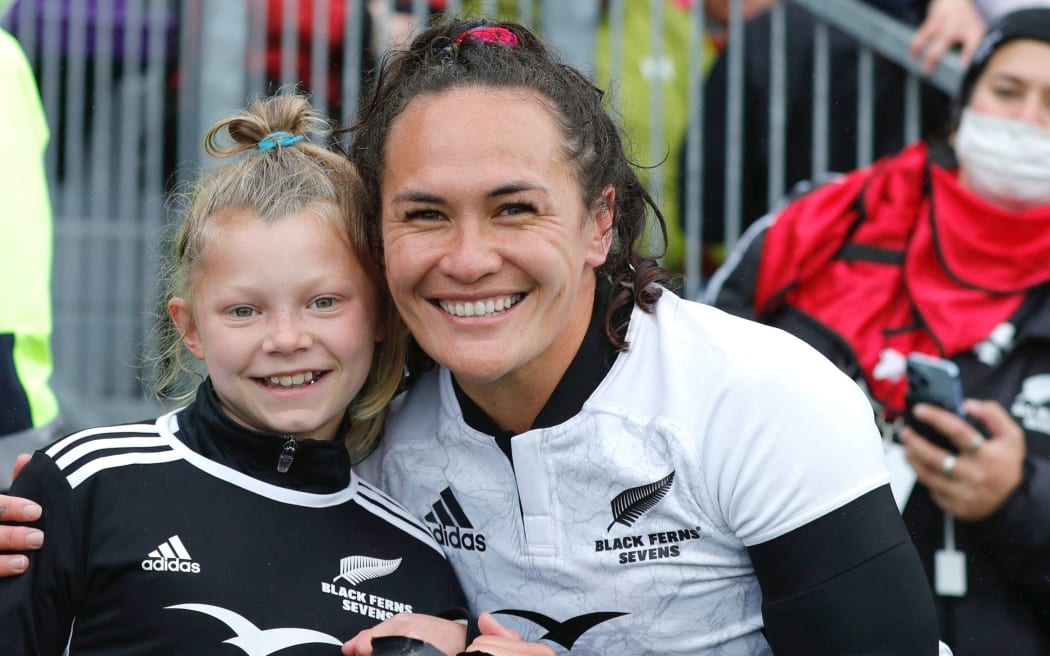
(130,86)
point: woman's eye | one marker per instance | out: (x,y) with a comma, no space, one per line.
(243,312)
(325,303)
(1006,93)
(424,215)
(512,209)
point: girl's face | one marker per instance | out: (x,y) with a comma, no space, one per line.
(285,318)
(490,249)
(1016,84)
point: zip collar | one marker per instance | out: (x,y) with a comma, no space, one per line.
(315,466)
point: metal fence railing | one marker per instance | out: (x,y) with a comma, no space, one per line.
(129,87)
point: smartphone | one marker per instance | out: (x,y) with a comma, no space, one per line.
(935,381)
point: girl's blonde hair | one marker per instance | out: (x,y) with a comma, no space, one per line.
(281,173)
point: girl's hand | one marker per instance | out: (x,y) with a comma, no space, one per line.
(446,635)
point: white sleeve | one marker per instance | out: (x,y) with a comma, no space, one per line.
(794,439)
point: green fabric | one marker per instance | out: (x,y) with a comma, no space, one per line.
(25,229)
(635,83)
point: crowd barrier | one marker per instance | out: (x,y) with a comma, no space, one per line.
(130,86)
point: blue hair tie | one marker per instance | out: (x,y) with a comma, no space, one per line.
(274,139)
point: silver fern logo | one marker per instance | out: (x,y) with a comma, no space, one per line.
(631,504)
(358,569)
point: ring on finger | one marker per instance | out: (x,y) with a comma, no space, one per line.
(948,465)
(975,443)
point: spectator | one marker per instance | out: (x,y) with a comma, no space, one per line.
(28,406)
(943,252)
(842,136)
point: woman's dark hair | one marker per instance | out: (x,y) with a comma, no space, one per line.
(456,54)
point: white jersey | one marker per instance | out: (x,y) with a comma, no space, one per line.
(624,530)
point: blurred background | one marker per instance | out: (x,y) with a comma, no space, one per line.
(727,104)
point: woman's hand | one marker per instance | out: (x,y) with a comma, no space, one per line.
(18,538)
(446,635)
(948,23)
(498,640)
(973,483)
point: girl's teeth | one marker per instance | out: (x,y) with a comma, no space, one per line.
(290,381)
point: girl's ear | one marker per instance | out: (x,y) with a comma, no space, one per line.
(182,317)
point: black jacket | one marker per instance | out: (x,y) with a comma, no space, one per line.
(179,536)
(1007,608)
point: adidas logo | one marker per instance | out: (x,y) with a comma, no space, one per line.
(170,556)
(450,526)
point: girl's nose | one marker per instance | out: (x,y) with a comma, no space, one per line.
(287,336)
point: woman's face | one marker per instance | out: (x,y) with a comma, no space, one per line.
(490,248)
(1016,84)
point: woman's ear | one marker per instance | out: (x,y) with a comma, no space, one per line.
(182,317)
(604,210)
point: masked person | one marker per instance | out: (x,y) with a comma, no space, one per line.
(944,250)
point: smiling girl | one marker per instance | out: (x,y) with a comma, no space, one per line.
(236,520)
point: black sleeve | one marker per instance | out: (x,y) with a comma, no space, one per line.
(1017,536)
(37,608)
(849,582)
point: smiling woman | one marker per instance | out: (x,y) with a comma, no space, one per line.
(635,473)
(514,232)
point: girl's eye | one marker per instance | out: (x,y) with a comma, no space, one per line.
(243,312)
(1006,92)
(324,303)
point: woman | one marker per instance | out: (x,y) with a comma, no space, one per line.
(944,251)
(608,468)
(635,474)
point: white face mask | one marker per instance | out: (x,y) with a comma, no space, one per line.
(1004,161)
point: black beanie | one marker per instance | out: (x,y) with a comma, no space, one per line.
(1032,23)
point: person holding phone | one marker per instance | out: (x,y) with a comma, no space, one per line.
(943,250)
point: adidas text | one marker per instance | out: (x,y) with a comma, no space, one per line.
(170,565)
(454,538)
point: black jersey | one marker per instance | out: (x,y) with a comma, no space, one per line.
(179,536)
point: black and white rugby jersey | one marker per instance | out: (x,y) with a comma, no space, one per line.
(622,528)
(179,536)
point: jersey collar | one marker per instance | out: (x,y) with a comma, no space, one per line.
(586,371)
(319,466)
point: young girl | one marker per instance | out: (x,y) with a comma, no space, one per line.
(236,520)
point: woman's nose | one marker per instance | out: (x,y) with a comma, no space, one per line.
(470,253)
